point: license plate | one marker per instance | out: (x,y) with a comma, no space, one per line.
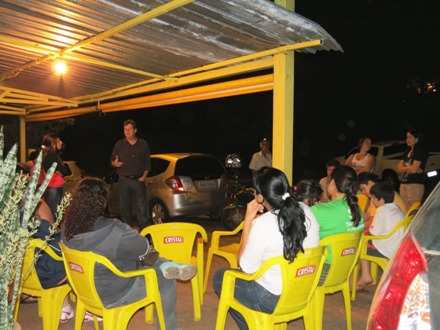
(206,185)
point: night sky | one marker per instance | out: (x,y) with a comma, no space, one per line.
(376,87)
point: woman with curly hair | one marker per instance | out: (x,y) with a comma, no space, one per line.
(342,214)
(87,228)
(279,231)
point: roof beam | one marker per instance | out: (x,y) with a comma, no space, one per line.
(223,89)
(17,96)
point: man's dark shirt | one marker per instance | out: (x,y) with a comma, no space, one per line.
(135,158)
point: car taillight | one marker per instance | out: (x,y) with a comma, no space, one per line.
(175,183)
(397,288)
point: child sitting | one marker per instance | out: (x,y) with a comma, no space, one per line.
(387,216)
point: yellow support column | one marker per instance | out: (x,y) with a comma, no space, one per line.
(283,107)
(22,155)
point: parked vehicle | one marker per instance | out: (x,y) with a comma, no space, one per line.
(239,195)
(73,178)
(389,153)
(180,184)
(408,295)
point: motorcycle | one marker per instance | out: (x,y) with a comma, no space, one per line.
(239,195)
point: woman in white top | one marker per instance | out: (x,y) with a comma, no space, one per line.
(362,161)
(279,231)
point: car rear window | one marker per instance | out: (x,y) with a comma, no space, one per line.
(158,166)
(426,222)
(395,149)
(200,167)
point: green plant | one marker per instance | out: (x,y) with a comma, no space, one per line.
(19,195)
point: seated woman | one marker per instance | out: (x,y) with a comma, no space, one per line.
(388,215)
(87,228)
(342,214)
(308,193)
(50,272)
(362,161)
(279,231)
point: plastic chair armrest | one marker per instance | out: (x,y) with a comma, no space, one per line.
(217,235)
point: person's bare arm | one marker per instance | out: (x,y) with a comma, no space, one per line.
(251,212)
(415,167)
(349,160)
(400,167)
(43,212)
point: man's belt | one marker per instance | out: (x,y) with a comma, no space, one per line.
(134,177)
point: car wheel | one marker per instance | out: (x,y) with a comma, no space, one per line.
(215,215)
(158,212)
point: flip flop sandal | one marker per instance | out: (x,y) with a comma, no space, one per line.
(28,300)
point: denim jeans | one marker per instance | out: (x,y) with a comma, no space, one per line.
(53,197)
(132,190)
(248,293)
(167,290)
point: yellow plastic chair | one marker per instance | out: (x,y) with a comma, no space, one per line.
(375,261)
(229,251)
(50,301)
(345,252)
(300,279)
(80,268)
(175,241)
(413,209)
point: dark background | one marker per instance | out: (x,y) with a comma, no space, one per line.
(383,84)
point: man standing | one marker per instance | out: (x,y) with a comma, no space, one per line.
(261,158)
(131,157)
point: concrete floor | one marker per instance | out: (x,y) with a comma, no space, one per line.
(334,311)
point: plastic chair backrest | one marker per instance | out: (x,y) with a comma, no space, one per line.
(413,209)
(175,240)
(362,201)
(50,301)
(345,252)
(29,274)
(300,279)
(80,269)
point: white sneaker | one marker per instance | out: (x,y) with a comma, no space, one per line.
(89,317)
(66,314)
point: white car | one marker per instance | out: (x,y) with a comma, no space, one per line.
(389,153)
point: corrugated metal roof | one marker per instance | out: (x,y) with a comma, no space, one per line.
(111,46)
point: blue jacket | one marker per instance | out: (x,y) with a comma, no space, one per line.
(51,272)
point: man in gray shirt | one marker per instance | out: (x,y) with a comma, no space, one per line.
(131,157)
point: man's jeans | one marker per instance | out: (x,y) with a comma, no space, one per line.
(133,191)
(53,197)
(248,293)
